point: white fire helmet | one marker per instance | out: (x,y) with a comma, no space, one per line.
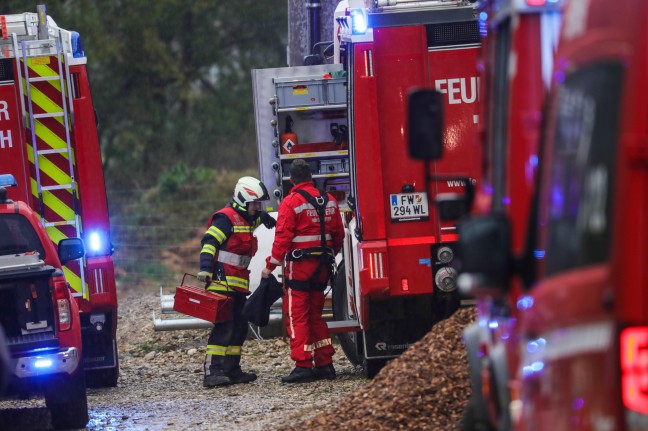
(249,189)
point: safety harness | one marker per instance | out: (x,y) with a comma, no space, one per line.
(323,251)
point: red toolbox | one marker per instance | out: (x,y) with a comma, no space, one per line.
(198,302)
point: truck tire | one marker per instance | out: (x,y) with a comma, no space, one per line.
(66,399)
(373,366)
(4,362)
(472,420)
(349,341)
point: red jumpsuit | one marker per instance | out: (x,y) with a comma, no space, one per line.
(298,228)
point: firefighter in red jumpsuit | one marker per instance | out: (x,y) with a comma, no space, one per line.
(309,248)
(227,249)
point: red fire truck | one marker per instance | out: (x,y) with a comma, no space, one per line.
(517,60)
(575,333)
(49,142)
(348,121)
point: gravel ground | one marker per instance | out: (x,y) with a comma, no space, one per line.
(160,385)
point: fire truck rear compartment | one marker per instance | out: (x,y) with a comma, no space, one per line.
(26,313)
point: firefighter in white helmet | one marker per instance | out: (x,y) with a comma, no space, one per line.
(227,249)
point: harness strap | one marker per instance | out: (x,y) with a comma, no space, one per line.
(319,203)
(309,252)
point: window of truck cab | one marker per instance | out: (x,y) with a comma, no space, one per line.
(578,187)
(17,235)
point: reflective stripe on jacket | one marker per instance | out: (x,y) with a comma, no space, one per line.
(233,249)
(298,227)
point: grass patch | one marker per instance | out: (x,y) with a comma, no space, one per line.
(145,348)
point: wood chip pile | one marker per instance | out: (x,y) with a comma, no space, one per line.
(425,389)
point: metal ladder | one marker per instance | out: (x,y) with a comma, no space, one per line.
(46,48)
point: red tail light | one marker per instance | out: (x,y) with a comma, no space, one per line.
(62,304)
(634,368)
(404,284)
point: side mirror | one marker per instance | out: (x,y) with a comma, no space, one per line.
(70,249)
(425,128)
(484,254)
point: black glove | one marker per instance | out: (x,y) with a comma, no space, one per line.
(267,220)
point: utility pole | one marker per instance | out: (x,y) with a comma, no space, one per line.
(308,20)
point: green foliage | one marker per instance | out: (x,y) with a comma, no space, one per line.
(185,197)
(167,219)
(180,174)
(171,85)
(171,79)
(134,275)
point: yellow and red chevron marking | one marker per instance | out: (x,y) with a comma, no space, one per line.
(54,169)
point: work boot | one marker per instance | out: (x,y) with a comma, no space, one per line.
(299,375)
(216,378)
(238,376)
(326,372)
(232,367)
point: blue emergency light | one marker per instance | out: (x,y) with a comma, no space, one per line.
(7,180)
(77,46)
(95,242)
(98,243)
(524,303)
(541,2)
(43,363)
(358,21)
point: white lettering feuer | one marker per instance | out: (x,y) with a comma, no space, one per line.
(5,135)
(459,90)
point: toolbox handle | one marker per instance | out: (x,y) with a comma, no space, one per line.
(207,284)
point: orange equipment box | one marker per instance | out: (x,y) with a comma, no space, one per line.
(198,302)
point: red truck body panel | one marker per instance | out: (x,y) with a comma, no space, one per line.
(90,171)
(369,185)
(524,129)
(12,141)
(401,61)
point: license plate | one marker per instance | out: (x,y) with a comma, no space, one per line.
(409,206)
